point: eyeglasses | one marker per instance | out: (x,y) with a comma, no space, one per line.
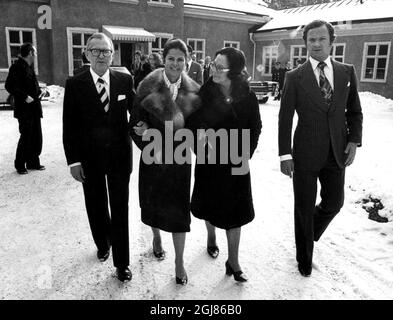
(97,52)
(218,68)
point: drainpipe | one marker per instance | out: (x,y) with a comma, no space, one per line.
(254,53)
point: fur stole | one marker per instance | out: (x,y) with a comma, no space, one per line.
(154,96)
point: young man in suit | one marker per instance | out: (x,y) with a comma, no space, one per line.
(98,148)
(23,85)
(323,92)
(206,69)
(194,70)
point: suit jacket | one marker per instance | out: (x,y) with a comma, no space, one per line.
(320,125)
(195,72)
(99,140)
(22,82)
(206,73)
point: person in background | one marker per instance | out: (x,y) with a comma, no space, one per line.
(144,70)
(155,61)
(220,197)
(22,84)
(166,95)
(193,69)
(206,69)
(276,72)
(135,65)
(298,63)
(323,92)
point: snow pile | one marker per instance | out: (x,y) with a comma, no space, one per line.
(56,93)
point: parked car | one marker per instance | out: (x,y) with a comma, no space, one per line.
(264,89)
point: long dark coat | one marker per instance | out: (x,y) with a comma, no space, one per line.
(224,199)
(164,189)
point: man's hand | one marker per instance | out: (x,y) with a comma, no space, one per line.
(351,152)
(287,167)
(29,99)
(140,128)
(78,173)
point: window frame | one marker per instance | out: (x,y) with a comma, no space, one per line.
(292,55)
(273,56)
(159,35)
(230,42)
(34,43)
(159,3)
(126,1)
(364,61)
(70,46)
(198,51)
(334,48)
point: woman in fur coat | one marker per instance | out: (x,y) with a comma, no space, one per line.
(167,95)
(222,191)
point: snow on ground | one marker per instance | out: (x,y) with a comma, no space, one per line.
(47,251)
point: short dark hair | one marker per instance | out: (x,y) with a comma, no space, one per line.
(174,43)
(25,49)
(316,24)
(236,60)
(189,49)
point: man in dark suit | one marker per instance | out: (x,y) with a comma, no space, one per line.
(206,69)
(98,148)
(22,84)
(323,92)
(194,70)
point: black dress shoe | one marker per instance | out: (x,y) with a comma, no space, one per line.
(237,275)
(182,281)
(160,255)
(22,171)
(102,255)
(123,274)
(213,251)
(39,167)
(304,271)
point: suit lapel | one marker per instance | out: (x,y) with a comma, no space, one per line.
(91,92)
(340,82)
(112,90)
(310,85)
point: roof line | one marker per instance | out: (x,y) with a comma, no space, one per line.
(229,10)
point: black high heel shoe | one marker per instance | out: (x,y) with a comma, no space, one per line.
(182,281)
(159,255)
(213,251)
(237,275)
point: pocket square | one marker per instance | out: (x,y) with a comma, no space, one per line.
(348,84)
(121,97)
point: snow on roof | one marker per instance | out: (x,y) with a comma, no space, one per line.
(255,7)
(339,11)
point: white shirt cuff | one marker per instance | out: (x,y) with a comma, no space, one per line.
(285,157)
(75,164)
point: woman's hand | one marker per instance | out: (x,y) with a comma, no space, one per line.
(140,128)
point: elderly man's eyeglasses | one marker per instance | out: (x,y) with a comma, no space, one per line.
(97,52)
(218,68)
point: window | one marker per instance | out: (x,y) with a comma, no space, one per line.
(233,44)
(161,3)
(298,52)
(77,39)
(375,61)
(198,45)
(15,38)
(338,51)
(158,45)
(269,57)
(126,1)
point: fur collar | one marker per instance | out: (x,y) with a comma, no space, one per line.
(154,96)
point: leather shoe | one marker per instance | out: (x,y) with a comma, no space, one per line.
(123,274)
(39,167)
(304,271)
(22,171)
(237,275)
(213,251)
(102,255)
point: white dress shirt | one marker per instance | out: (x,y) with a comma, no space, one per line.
(328,70)
(95,76)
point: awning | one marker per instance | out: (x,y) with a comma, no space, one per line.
(128,34)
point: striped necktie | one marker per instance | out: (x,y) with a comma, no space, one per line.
(326,88)
(103,94)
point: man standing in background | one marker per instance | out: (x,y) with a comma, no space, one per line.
(22,84)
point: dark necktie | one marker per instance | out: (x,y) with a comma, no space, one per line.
(103,94)
(326,88)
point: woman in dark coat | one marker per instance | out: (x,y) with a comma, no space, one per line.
(166,94)
(222,197)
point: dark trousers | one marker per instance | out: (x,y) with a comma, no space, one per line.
(312,220)
(30,143)
(109,229)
